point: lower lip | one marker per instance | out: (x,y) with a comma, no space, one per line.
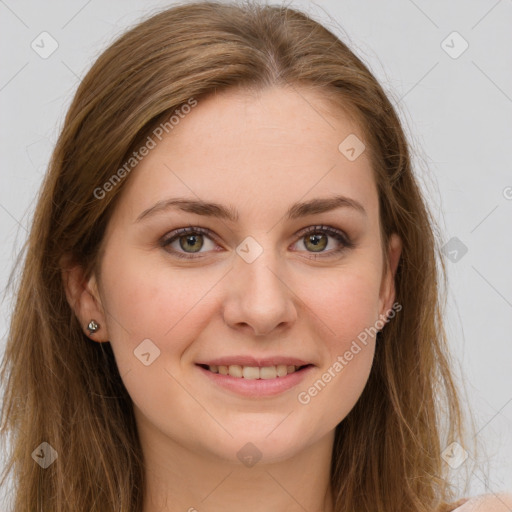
(258,387)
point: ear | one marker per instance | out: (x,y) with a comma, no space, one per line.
(387,289)
(83,297)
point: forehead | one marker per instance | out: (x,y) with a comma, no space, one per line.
(262,149)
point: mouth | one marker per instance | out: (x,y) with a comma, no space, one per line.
(255,382)
(254,372)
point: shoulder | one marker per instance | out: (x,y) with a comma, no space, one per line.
(487,503)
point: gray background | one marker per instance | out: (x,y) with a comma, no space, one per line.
(456,110)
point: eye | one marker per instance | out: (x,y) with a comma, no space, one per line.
(190,238)
(188,242)
(316,238)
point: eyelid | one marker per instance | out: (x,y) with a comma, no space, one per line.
(329,230)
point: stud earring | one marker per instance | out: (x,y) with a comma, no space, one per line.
(93,327)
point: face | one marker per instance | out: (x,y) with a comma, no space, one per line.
(272,285)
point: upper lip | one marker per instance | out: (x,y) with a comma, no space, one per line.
(255,361)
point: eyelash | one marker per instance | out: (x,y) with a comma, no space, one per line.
(346,243)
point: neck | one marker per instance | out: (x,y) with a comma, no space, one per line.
(181,479)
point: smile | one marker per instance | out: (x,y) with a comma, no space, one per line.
(254,372)
(254,381)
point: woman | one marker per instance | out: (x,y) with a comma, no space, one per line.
(230,292)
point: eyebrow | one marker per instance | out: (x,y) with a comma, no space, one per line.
(211,209)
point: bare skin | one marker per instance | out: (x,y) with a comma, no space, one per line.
(257,153)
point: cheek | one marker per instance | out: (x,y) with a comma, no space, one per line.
(344,300)
(144,300)
(347,308)
(168,307)
(348,345)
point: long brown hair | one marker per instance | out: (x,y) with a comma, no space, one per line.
(63,389)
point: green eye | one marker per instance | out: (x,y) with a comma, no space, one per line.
(191,238)
(191,242)
(317,238)
(319,242)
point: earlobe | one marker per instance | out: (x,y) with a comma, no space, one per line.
(83,297)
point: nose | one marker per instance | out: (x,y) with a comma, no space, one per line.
(258,298)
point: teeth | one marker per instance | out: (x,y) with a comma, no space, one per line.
(235,371)
(248,372)
(282,370)
(254,372)
(268,372)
